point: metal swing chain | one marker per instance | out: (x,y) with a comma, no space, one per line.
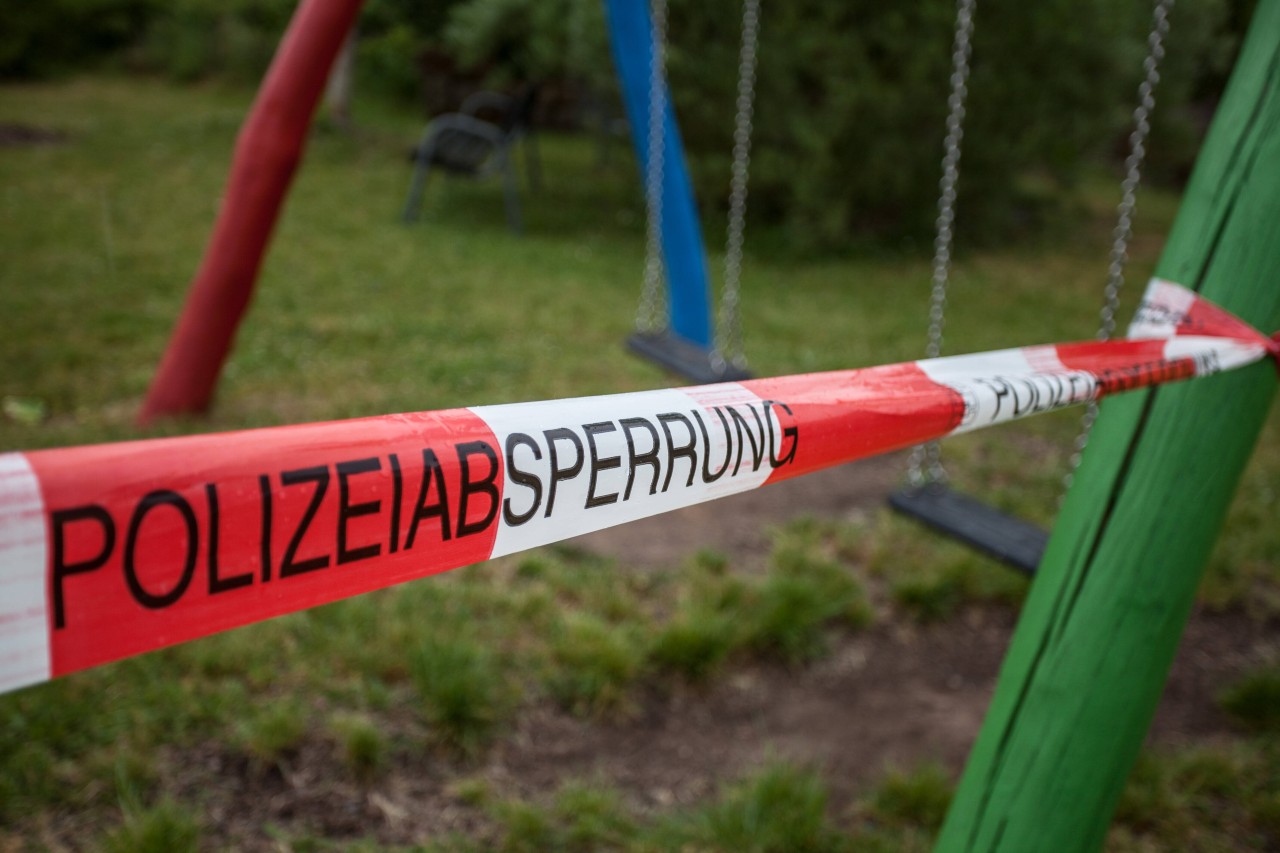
(1128,202)
(651,314)
(729,346)
(925,465)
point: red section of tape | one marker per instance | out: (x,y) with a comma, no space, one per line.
(1125,365)
(1205,318)
(853,414)
(187,537)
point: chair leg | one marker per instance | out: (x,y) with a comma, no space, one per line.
(418,183)
(512,193)
(532,162)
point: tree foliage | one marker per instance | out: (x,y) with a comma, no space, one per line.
(195,39)
(850,99)
(48,36)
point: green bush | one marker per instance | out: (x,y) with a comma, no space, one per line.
(194,39)
(851,102)
(851,99)
(394,34)
(519,40)
(42,38)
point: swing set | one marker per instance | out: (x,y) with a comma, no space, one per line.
(928,496)
(673,320)
(1116,578)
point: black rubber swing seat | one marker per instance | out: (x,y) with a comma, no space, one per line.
(1011,540)
(683,357)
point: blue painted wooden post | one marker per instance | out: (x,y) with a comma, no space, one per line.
(631,37)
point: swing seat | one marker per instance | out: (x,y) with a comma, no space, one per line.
(1010,540)
(682,357)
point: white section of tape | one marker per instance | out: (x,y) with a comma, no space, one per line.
(1005,397)
(1164,305)
(1007,384)
(1213,355)
(24,620)
(576,466)
(961,368)
(1044,359)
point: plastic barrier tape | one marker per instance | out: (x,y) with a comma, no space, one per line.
(112,550)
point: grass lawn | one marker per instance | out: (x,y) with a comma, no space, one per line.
(356,314)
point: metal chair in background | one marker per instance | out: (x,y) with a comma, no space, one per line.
(479,141)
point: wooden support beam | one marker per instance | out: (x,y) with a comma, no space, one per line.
(1098,634)
(1100,628)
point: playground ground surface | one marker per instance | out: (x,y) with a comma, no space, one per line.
(788,669)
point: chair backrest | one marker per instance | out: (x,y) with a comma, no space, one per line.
(512,113)
(519,117)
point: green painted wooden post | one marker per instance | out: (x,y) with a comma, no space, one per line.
(1092,650)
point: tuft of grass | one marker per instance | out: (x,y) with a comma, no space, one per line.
(929,576)
(694,643)
(592,818)
(931,597)
(165,827)
(803,592)
(710,561)
(1254,700)
(453,842)
(533,567)
(463,690)
(781,809)
(592,584)
(916,798)
(594,663)
(362,743)
(1205,797)
(473,790)
(526,828)
(273,732)
(712,589)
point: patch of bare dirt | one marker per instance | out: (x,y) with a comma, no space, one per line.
(14,135)
(739,525)
(898,695)
(890,697)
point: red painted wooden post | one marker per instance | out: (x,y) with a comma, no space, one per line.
(267,153)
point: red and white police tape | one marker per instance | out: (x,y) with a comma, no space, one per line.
(112,550)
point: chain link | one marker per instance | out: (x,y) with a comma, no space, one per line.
(651,314)
(1123,232)
(925,465)
(729,345)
